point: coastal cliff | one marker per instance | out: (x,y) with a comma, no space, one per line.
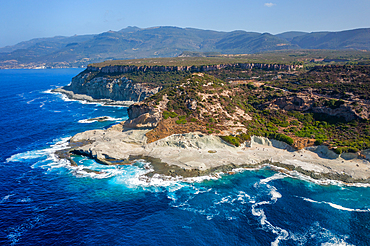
(113,82)
(202,68)
(323,111)
(117,89)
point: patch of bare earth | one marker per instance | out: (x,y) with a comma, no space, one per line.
(168,127)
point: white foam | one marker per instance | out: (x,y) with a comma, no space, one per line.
(86,121)
(130,176)
(26,156)
(328,181)
(317,232)
(274,194)
(276,176)
(24,200)
(85,171)
(21,95)
(6,198)
(201,179)
(46,155)
(106,118)
(227,199)
(33,100)
(16,232)
(336,242)
(298,175)
(336,206)
(243,197)
(281,233)
(65,98)
(48,91)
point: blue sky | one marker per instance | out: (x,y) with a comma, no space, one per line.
(21,20)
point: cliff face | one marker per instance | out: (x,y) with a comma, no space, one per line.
(204,68)
(123,89)
(120,89)
(142,115)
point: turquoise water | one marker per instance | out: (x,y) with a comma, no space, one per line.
(45,201)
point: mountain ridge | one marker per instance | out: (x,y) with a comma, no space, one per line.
(168,41)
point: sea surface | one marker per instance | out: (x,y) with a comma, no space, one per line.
(45,201)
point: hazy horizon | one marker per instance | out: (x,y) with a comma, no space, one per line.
(173,26)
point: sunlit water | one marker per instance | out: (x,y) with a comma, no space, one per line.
(45,201)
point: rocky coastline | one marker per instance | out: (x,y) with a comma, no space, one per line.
(195,154)
(105,89)
(175,149)
(85,98)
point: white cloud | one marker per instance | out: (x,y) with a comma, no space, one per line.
(269,4)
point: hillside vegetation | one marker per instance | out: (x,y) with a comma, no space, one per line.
(290,57)
(287,59)
(289,106)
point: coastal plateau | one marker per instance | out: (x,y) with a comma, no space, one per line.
(201,119)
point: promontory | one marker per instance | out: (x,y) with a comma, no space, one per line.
(195,116)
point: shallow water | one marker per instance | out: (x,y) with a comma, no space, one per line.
(45,201)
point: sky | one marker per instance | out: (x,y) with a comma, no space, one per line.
(22,20)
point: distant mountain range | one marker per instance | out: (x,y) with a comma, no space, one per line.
(134,42)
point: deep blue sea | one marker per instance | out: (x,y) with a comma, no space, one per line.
(45,201)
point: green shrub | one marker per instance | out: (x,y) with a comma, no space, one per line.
(182,121)
(307,132)
(319,142)
(231,140)
(280,137)
(251,86)
(341,150)
(284,124)
(333,104)
(167,114)
(294,122)
(244,137)
(321,136)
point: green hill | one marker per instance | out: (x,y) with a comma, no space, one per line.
(290,35)
(353,39)
(134,42)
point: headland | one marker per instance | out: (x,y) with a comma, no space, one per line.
(198,119)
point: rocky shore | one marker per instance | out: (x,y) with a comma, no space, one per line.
(81,97)
(106,89)
(196,154)
(178,130)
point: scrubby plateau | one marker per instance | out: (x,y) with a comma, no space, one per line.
(310,119)
(323,105)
